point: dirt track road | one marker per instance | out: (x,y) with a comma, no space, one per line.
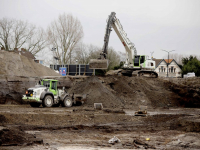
(84,128)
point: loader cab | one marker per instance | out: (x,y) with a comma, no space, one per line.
(51,84)
(138,60)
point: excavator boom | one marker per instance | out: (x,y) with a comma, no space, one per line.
(102,62)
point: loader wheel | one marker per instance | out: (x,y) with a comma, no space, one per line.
(67,102)
(48,101)
(34,104)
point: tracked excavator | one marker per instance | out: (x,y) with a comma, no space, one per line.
(140,64)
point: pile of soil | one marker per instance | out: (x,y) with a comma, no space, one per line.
(13,137)
(126,92)
(18,73)
(188,89)
(13,64)
(97,92)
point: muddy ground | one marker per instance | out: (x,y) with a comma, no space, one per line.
(168,125)
(82,127)
(173,120)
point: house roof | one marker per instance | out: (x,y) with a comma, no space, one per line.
(157,61)
(170,60)
(24,52)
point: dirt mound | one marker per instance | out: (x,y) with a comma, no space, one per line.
(188,90)
(136,91)
(127,92)
(16,137)
(97,93)
(13,64)
(17,73)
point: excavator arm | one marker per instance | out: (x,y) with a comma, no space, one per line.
(102,62)
(110,22)
(129,46)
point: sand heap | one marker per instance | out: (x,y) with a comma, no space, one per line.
(12,64)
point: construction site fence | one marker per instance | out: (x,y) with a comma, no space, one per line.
(74,70)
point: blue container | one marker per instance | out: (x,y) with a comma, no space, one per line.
(62,71)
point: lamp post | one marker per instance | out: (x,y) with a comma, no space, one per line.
(168,59)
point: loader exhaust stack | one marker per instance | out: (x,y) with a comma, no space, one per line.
(98,63)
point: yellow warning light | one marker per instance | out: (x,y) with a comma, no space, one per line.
(31,94)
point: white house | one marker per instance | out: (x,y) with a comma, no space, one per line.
(173,68)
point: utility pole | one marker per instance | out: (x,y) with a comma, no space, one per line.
(168,59)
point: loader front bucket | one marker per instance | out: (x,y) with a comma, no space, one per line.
(98,63)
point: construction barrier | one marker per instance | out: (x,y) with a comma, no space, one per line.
(73,70)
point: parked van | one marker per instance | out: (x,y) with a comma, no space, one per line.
(189,74)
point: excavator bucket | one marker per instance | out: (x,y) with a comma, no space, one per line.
(98,63)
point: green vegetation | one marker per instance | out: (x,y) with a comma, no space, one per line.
(119,66)
(191,64)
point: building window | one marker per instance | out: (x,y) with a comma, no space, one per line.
(159,69)
(172,68)
(164,69)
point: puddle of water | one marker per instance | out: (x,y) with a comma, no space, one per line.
(151,113)
(32,132)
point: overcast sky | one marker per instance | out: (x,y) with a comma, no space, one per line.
(151,25)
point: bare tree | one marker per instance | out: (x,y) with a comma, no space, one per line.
(20,34)
(6,33)
(37,42)
(122,56)
(114,58)
(64,34)
(83,54)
